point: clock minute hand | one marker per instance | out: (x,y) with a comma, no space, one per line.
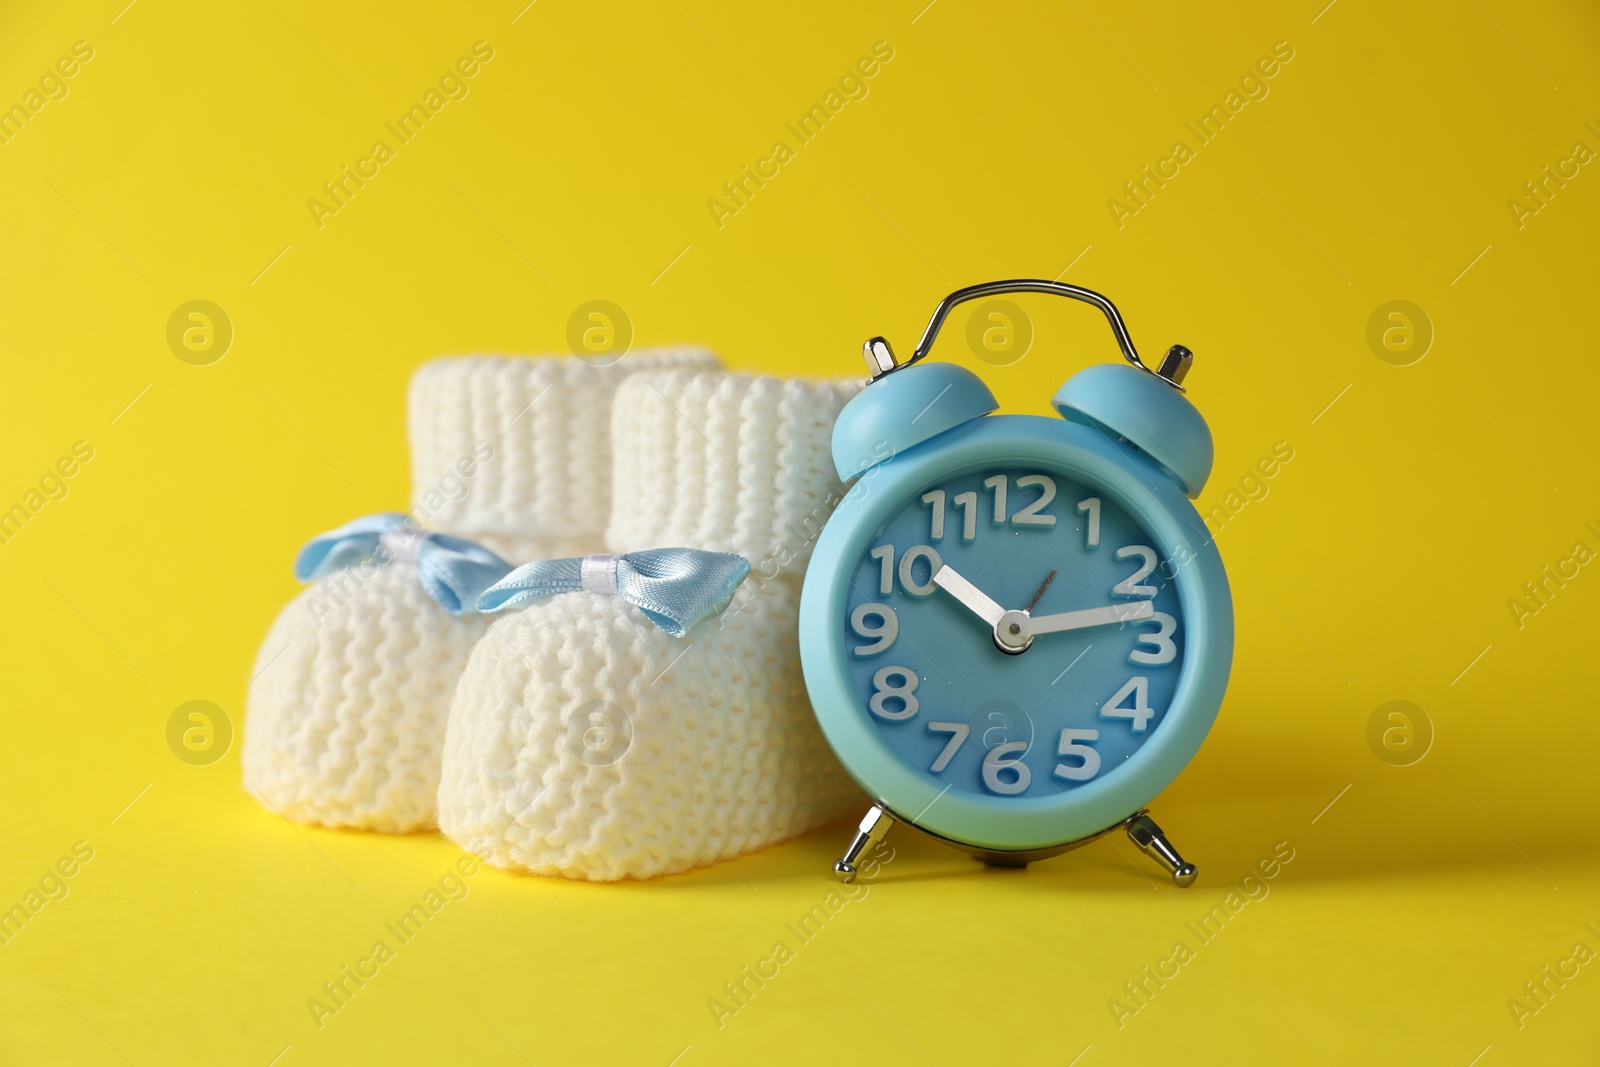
(970,596)
(1078,620)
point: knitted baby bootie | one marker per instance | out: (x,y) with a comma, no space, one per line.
(346,701)
(585,739)
(350,691)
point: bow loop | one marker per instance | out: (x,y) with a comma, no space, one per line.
(344,546)
(676,588)
(456,571)
(452,570)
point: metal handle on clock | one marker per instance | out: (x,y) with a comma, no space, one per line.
(1173,367)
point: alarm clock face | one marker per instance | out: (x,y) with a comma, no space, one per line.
(1061,691)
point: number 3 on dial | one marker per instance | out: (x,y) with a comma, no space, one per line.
(1161,649)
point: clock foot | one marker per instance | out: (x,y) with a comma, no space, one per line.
(874,828)
(1143,831)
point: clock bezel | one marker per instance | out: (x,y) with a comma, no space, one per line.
(1152,498)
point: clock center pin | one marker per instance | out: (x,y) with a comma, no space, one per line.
(1011,634)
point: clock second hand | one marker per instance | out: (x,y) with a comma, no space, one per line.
(1039,592)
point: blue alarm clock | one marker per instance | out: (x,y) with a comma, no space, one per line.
(1016,630)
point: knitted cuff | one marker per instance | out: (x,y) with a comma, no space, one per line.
(515,452)
(729,462)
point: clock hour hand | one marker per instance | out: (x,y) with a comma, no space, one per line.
(1078,620)
(970,596)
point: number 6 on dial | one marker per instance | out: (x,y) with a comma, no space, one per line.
(998,760)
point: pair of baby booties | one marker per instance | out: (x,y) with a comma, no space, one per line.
(572,737)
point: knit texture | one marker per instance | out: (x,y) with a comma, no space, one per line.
(585,742)
(348,700)
(732,462)
(351,691)
(515,452)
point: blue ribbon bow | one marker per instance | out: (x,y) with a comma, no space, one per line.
(453,571)
(676,588)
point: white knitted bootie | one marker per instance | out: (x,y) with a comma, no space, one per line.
(350,691)
(587,741)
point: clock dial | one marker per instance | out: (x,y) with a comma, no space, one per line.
(1013,633)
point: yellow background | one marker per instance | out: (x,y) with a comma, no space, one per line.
(1379,566)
